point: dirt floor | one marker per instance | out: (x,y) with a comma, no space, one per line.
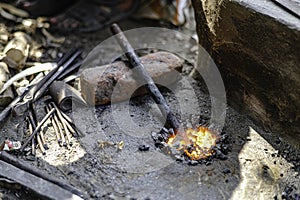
(260,165)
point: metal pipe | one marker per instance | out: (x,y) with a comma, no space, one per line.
(143,76)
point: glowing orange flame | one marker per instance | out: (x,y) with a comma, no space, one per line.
(197,144)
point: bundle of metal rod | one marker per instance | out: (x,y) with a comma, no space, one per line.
(62,131)
(63,127)
(38,136)
(34,92)
(36,129)
(142,76)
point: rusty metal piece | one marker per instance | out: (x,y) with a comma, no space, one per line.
(142,76)
(28,25)
(64,95)
(17,49)
(103,144)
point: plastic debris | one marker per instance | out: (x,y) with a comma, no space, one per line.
(9,145)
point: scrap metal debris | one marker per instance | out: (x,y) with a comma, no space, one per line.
(104,144)
(14,11)
(25,79)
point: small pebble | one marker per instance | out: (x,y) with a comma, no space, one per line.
(144,147)
(220,155)
(226,171)
(277,141)
(193,162)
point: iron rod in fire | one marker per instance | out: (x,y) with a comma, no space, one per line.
(142,75)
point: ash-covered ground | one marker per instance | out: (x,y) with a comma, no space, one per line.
(106,162)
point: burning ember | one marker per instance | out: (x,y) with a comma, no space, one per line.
(196,144)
